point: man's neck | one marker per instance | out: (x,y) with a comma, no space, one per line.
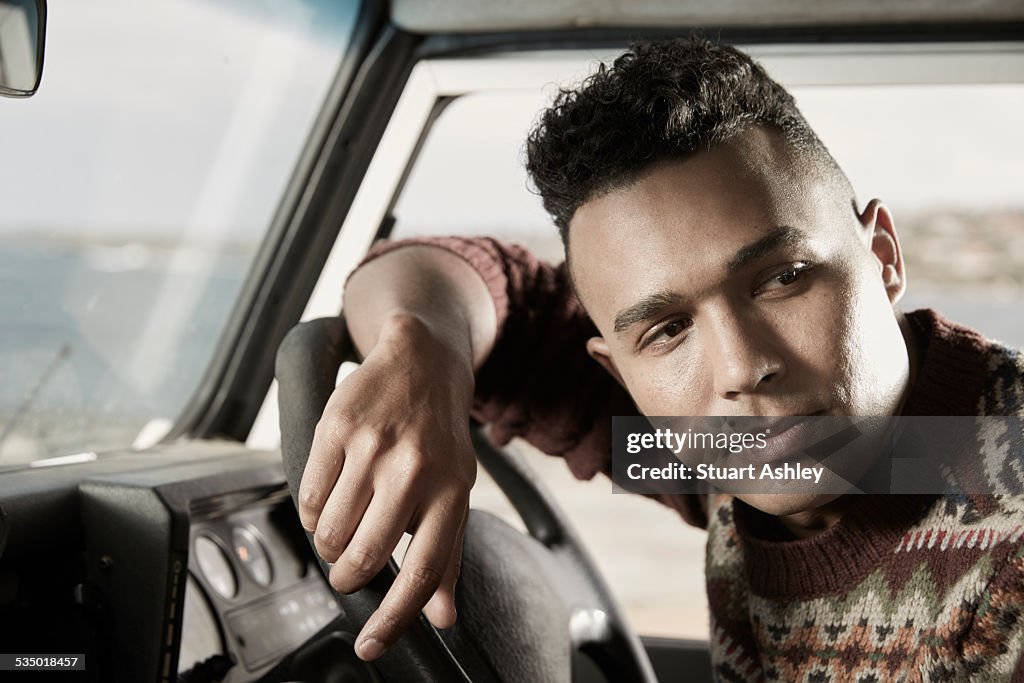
(810,523)
(913,356)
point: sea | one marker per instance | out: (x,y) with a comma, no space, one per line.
(96,341)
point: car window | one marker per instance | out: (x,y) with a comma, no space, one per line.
(136,187)
(947,159)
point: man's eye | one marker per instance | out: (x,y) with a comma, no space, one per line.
(784,278)
(672,329)
(665,333)
(788,276)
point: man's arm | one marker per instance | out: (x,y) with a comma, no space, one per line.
(392,451)
(430,285)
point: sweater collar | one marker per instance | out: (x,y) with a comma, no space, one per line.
(952,369)
(949,381)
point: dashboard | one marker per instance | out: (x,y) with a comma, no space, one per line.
(183,563)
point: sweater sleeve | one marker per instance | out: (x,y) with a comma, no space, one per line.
(539,383)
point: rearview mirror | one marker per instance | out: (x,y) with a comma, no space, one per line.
(22,37)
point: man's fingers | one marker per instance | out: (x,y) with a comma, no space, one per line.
(334,432)
(341,515)
(379,532)
(440,609)
(326,458)
(318,480)
(422,571)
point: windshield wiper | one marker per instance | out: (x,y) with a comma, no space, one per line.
(62,355)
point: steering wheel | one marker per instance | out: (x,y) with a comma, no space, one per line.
(525,602)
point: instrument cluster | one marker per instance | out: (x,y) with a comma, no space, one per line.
(254,592)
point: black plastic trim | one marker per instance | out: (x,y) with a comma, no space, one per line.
(672,656)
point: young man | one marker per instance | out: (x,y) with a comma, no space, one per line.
(718,263)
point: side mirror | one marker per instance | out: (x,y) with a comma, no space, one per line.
(22,38)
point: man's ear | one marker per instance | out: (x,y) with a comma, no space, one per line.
(597,347)
(880,229)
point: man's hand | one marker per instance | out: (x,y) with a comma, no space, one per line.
(392,453)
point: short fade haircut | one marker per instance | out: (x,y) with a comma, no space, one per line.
(659,101)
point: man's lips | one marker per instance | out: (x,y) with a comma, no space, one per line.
(784,435)
(773,425)
(781,425)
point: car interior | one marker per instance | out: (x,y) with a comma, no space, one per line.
(165,546)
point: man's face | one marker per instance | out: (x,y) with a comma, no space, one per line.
(733,283)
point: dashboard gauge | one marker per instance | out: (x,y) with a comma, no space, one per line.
(201,636)
(250,553)
(216,567)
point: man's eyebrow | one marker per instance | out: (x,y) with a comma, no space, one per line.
(652,304)
(784,236)
(646,308)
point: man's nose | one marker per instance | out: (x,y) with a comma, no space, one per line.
(743,356)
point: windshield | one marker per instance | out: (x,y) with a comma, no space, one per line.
(136,187)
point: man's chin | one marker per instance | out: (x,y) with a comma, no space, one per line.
(783,504)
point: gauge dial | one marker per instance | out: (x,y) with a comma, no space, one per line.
(250,553)
(216,567)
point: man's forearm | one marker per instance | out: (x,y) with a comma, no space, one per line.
(391,452)
(421,288)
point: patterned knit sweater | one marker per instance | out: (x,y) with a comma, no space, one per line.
(902,588)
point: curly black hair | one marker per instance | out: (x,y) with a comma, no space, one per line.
(658,101)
